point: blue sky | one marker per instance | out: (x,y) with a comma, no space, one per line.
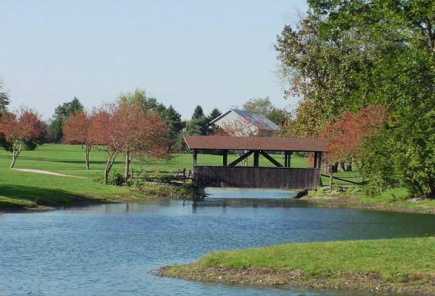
(185,53)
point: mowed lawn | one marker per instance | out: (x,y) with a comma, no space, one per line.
(23,189)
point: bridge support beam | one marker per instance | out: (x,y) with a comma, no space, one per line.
(241,158)
(271,159)
(256,159)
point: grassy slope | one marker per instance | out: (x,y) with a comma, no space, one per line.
(406,265)
(20,189)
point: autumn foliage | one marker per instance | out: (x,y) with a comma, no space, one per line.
(131,130)
(20,128)
(347,133)
(77,130)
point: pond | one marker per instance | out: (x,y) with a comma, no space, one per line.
(114,249)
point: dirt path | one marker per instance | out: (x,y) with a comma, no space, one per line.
(47,173)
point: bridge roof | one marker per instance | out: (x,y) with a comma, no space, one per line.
(256,143)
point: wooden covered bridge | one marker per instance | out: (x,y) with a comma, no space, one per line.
(282,175)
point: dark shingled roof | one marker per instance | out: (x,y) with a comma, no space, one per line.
(256,143)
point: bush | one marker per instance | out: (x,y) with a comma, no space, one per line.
(116,179)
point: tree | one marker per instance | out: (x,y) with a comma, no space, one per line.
(347,134)
(346,55)
(306,124)
(77,130)
(175,126)
(20,130)
(128,129)
(4,98)
(198,125)
(198,112)
(262,106)
(279,116)
(60,115)
(215,113)
(213,129)
(140,98)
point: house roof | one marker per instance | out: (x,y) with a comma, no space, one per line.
(261,122)
(256,143)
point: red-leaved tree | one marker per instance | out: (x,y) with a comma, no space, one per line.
(20,130)
(77,130)
(128,129)
(347,133)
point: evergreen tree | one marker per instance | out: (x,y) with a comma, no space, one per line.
(198,112)
(60,115)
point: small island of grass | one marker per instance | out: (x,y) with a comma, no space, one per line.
(393,265)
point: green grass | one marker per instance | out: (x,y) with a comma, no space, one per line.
(69,159)
(394,265)
(387,257)
(20,190)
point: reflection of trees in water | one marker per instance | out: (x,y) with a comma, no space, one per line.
(250,202)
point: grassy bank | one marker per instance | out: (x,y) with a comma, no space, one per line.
(397,200)
(395,265)
(24,190)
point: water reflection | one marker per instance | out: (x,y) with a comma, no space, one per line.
(111,249)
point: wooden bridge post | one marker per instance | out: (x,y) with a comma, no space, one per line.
(225,157)
(288,156)
(256,158)
(195,157)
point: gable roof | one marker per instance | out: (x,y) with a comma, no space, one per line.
(261,122)
(256,143)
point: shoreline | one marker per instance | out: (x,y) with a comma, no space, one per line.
(331,201)
(274,278)
(352,202)
(84,201)
(367,265)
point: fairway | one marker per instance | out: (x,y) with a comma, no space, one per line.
(19,190)
(69,160)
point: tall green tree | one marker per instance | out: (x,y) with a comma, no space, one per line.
(148,103)
(198,112)
(61,113)
(140,98)
(4,98)
(198,125)
(349,54)
(175,127)
(262,106)
(215,113)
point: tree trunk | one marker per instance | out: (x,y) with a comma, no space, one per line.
(109,165)
(330,180)
(341,167)
(431,193)
(15,154)
(87,152)
(127,164)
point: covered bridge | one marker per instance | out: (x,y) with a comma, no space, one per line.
(282,175)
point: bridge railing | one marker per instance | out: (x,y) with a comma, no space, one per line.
(256,177)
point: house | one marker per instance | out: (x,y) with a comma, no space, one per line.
(244,124)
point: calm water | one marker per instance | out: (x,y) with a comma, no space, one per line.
(113,249)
